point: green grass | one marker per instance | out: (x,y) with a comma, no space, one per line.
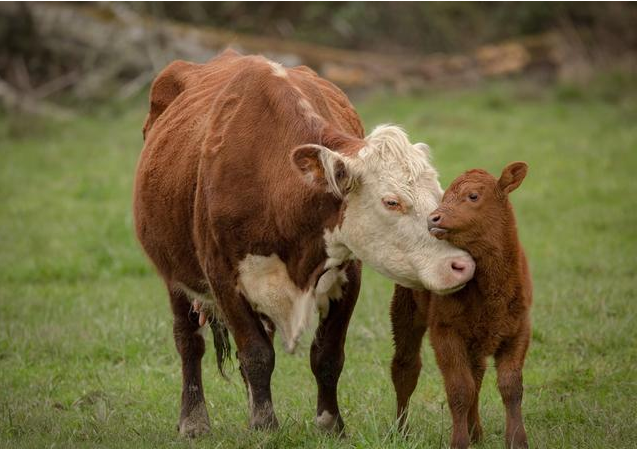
(86,352)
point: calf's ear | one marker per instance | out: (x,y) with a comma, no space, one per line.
(323,168)
(512,176)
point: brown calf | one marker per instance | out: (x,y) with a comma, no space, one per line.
(490,316)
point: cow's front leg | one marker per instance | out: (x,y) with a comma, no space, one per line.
(327,354)
(193,420)
(255,353)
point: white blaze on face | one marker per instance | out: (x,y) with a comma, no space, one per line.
(385,222)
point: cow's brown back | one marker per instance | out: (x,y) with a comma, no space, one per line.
(231,125)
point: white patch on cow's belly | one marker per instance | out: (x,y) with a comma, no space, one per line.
(204,298)
(266,284)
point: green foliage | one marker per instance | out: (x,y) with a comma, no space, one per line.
(86,351)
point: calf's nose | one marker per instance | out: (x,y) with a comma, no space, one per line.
(433,220)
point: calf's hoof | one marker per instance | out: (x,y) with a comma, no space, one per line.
(329,423)
(196,423)
(460,442)
(516,438)
(476,435)
(516,443)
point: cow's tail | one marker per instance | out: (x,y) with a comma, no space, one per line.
(221,341)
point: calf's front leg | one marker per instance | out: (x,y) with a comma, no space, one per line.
(408,327)
(327,354)
(454,363)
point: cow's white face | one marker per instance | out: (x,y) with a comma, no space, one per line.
(390,188)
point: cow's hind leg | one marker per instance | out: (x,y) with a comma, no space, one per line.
(327,354)
(193,420)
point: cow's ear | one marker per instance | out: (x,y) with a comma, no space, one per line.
(512,176)
(322,168)
(424,148)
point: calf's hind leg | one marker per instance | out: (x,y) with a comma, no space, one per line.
(193,420)
(475,428)
(408,328)
(509,361)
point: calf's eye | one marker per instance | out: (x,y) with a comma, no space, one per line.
(473,196)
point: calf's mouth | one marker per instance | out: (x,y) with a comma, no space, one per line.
(438,232)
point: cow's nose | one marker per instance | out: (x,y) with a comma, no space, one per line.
(433,220)
(463,269)
(459,266)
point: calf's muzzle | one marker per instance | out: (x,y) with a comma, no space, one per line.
(434,225)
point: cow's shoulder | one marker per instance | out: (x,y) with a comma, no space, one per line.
(342,110)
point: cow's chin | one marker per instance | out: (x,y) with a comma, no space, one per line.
(413,285)
(439,292)
(449,291)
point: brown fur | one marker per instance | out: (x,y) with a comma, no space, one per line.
(489,317)
(215,182)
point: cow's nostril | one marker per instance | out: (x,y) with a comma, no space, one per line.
(435,218)
(458,266)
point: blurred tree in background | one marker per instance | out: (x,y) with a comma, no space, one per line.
(423,27)
(88,51)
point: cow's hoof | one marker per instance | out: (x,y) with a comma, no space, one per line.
(264,423)
(196,423)
(263,418)
(330,423)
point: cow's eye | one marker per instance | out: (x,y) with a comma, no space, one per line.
(473,196)
(392,204)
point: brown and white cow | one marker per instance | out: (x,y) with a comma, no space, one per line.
(256,196)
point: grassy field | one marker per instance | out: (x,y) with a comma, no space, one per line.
(86,351)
